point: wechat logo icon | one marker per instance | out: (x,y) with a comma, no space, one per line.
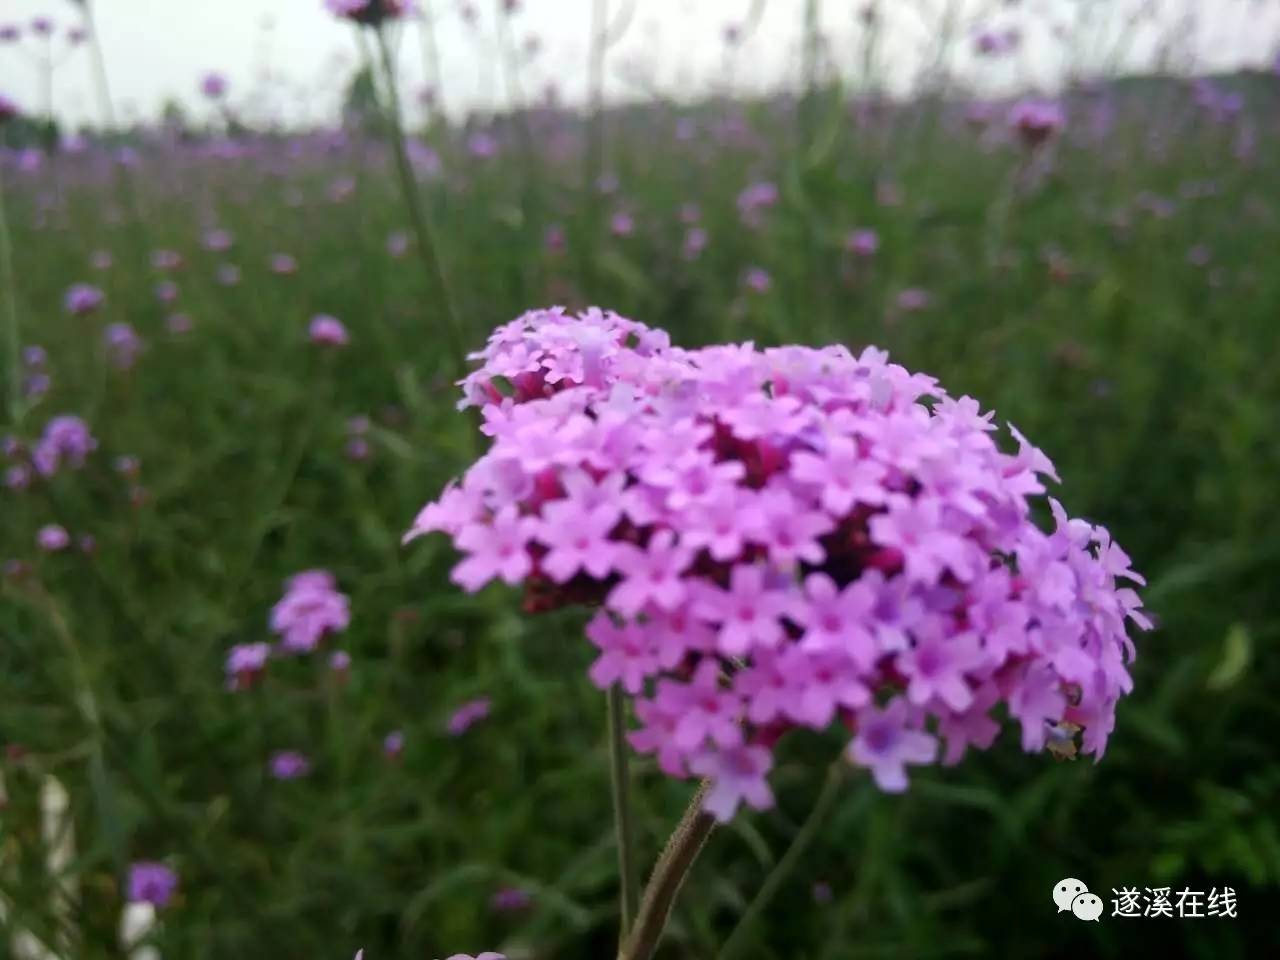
(1073,895)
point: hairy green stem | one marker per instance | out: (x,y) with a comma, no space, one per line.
(428,249)
(673,866)
(620,784)
(738,939)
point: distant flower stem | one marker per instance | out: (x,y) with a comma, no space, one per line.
(431,58)
(593,155)
(125,187)
(620,783)
(428,249)
(673,866)
(740,936)
(12,338)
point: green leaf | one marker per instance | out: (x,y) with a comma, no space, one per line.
(1237,652)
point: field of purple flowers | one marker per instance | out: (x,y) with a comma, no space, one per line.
(253,703)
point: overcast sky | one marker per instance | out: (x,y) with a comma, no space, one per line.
(158,49)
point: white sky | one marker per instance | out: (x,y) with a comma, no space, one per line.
(158,49)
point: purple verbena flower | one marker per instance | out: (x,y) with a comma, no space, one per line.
(393,744)
(66,442)
(52,538)
(785,539)
(123,345)
(510,900)
(151,882)
(467,715)
(1037,121)
(82,299)
(757,280)
(289,765)
(213,85)
(245,663)
(311,609)
(327,331)
(862,243)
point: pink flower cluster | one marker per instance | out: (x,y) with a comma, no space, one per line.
(65,443)
(310,608)
(786,538)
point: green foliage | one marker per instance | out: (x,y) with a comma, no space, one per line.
(1151,383)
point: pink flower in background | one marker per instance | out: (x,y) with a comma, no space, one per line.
(245,663)
(151,882)
(468,715)
(167,292)
(785,539)
(393,744)
(10,33)
(510,900)
(227,275)
(123,345)
(82,299)
(166,259)
(357,449)
(1037,121)
(310,610)
(213,85)
(18,477)
(52,538)
(42,26)
(989,42)
(178,324)
(327,331)
(217,240)
(289,765)
(283,264)
(755,201)
(913,300)
(554,239)
(622,224)
(482,145)
(757,280)
(66,442)
(397,243)
(695,241)
(862,243)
